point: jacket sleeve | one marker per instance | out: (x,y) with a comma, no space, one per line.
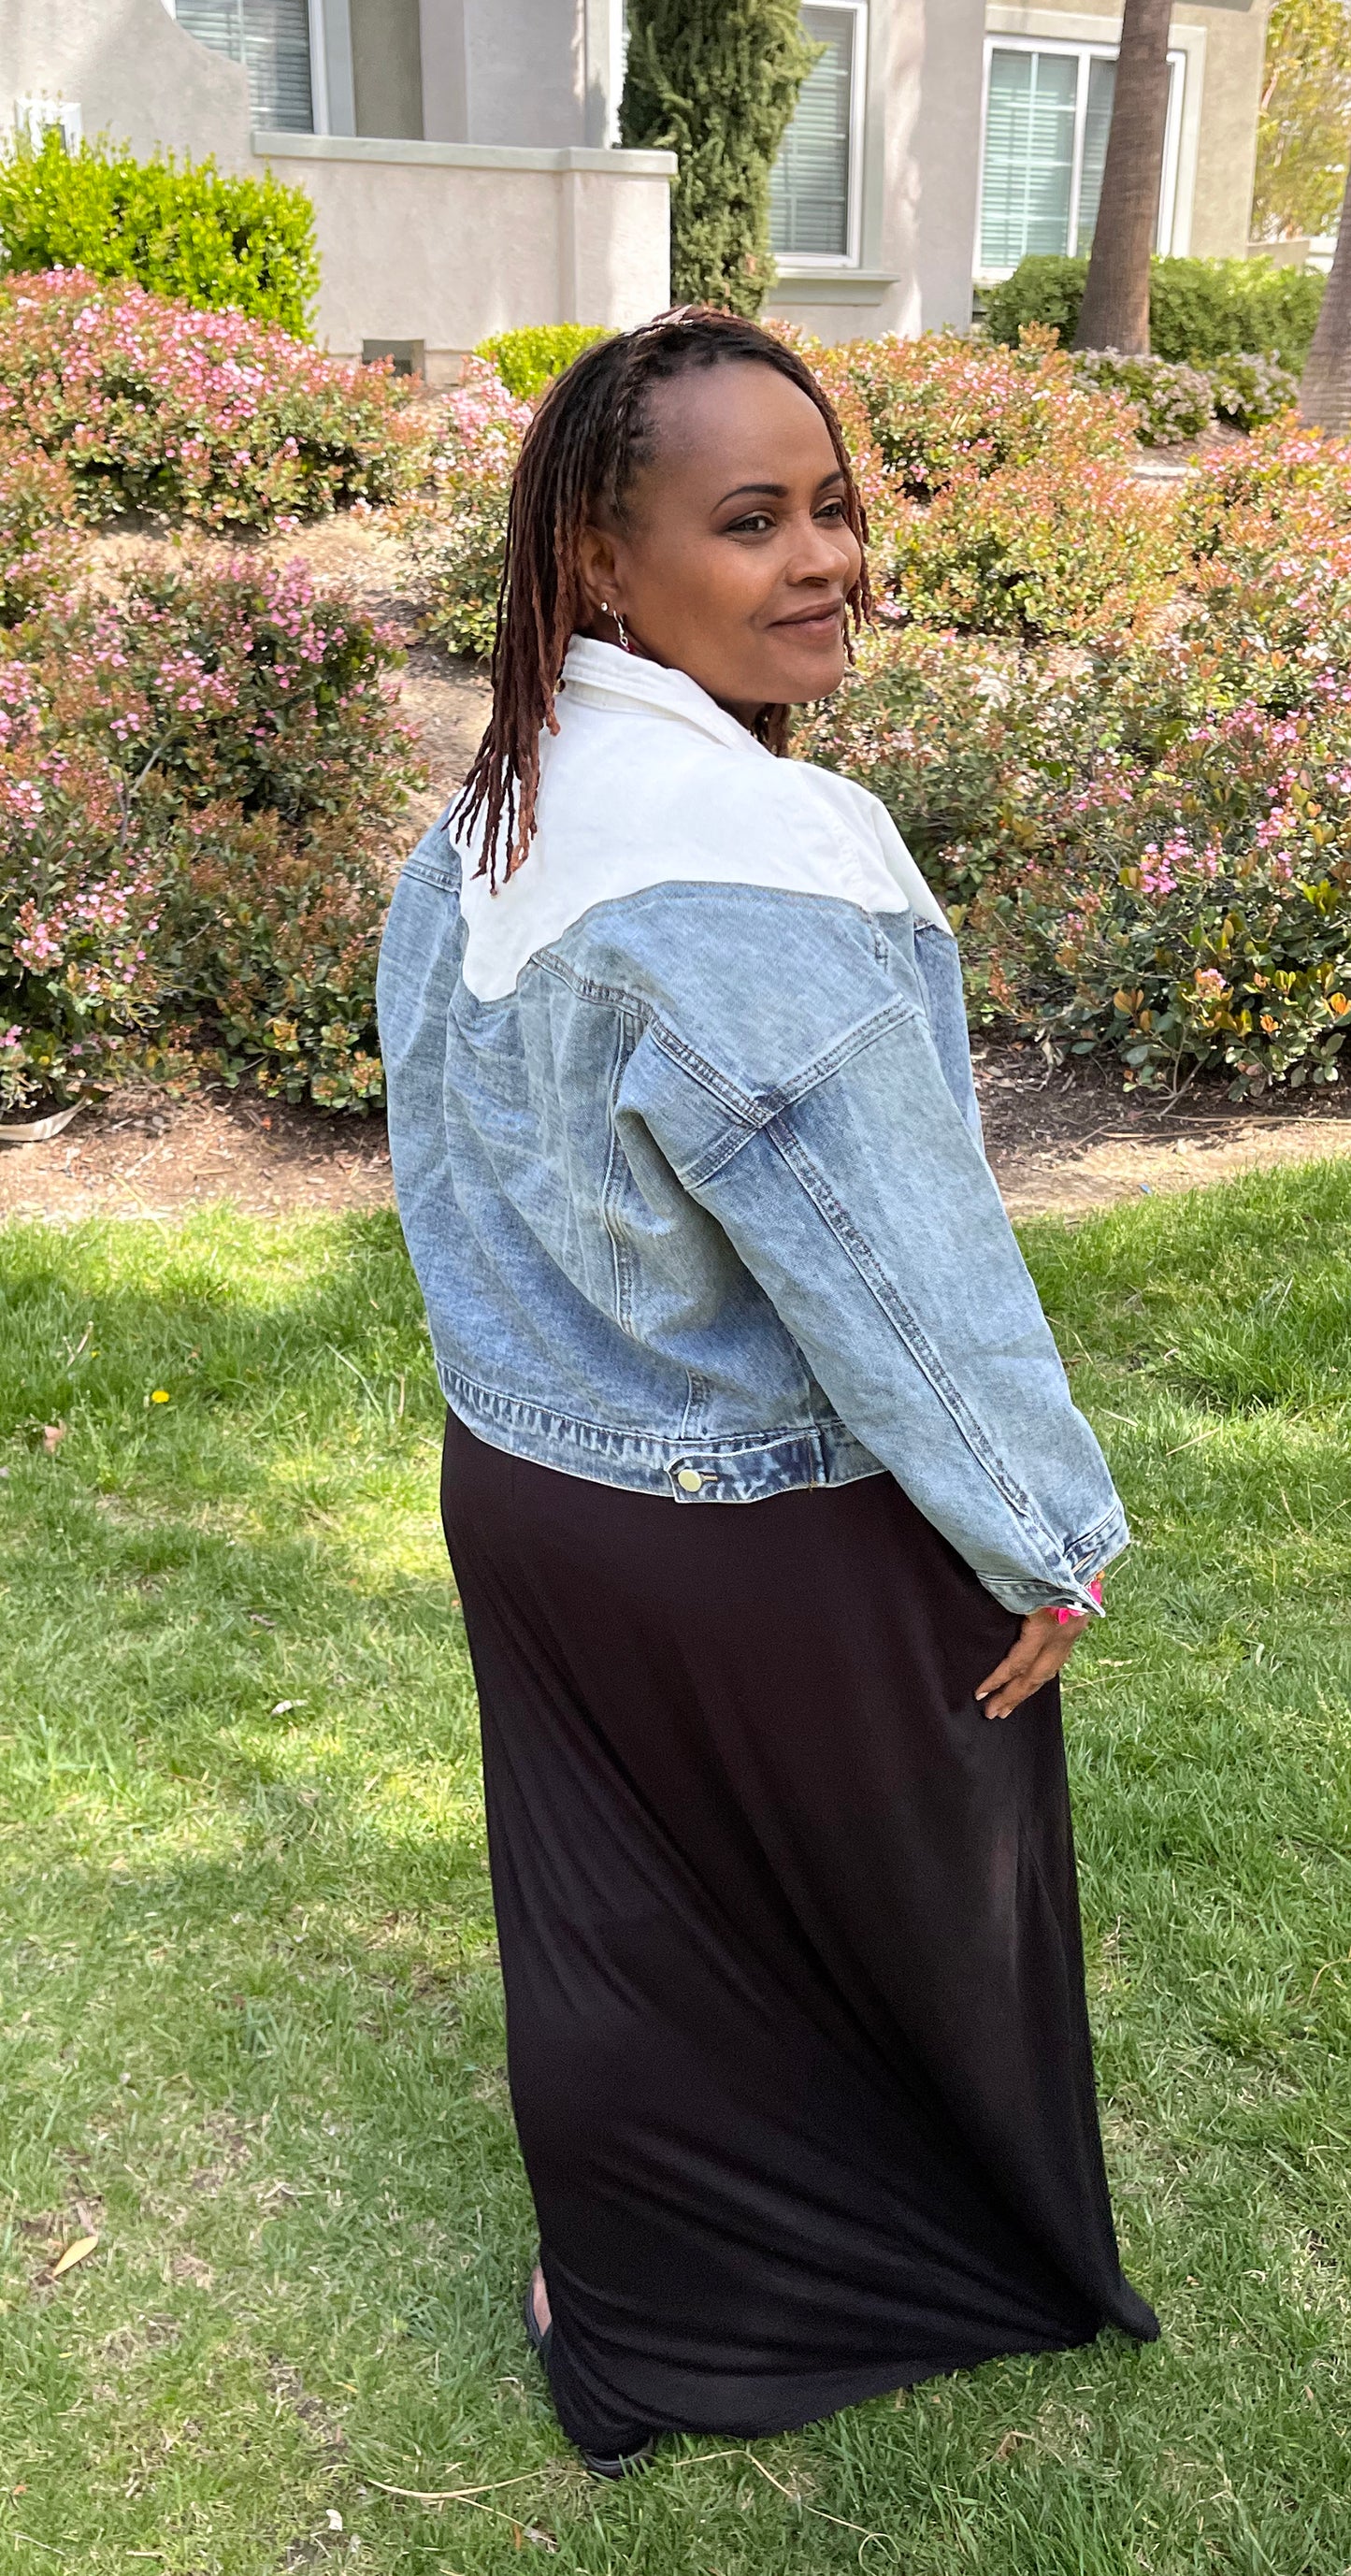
(858,1197)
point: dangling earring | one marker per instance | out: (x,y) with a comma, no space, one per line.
(608,611)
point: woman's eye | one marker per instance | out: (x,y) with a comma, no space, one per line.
(753,525)
(831,510)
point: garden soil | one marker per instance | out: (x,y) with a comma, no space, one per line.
(1059,1144)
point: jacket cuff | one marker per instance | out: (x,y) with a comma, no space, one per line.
(1085,1556)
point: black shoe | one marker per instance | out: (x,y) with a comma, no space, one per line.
(623,2464)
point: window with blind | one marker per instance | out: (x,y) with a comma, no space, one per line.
(1048,109)
(812,190)
(271,38)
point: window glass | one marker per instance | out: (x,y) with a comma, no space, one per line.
(1029,155)
(1038,107)
(809,194)
(272,40)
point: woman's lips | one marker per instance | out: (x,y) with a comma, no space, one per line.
(816,621)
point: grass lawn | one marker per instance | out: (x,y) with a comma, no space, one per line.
(250,2016)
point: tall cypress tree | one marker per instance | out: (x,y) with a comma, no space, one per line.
(716,82)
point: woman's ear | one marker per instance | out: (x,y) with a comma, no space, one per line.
(598,569)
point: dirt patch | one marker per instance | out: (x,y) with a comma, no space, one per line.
(1062,1143)
(1059,1144)
(141,1155)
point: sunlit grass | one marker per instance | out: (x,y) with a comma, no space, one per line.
(251,2024)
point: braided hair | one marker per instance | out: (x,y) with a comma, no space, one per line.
(591,436)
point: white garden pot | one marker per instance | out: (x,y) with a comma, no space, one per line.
(38,1131)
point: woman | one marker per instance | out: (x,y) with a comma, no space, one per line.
(762,1480)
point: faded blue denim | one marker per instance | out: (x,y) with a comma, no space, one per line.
(700,1209)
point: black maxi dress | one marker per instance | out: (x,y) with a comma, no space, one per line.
(797,2038)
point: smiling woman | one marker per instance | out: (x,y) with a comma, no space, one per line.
(762,1480)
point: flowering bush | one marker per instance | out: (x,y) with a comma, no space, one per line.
(1293,479)
(457,536)
(1047,549)
(38,540)
(278,933)
(1148,838)
(1251,391)
(943,728)
(285,804)
(944,407)
(240,682)
(1174,401)
(197,784)
(1170,402)
(152,405)
(76,905)
(1214,933)
(1131,880)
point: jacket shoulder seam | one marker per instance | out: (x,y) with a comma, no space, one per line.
(756,1111)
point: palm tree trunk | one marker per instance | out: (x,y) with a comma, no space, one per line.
(1325,393)
(1115,309)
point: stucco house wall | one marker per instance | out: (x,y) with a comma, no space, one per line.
(131,70)
(1236,36)
(447,242)
(431,242)
(465,179)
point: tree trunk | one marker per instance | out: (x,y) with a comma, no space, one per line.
(1115,310)
(1325,393)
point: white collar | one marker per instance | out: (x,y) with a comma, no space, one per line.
(598,674)
(610,825)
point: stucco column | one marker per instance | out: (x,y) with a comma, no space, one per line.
(445,103)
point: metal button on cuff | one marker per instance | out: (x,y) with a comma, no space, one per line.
(688,1479)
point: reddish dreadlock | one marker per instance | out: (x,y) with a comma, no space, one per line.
(590,437)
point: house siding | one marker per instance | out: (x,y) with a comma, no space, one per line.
(1227,145)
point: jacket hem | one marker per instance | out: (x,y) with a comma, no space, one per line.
(746,1468)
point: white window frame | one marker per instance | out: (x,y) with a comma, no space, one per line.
(319,115)
(836,263)
(319,98)
(1085,52)
(35,117)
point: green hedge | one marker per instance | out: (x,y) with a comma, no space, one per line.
(1199,309)
(179,228)
(526,360)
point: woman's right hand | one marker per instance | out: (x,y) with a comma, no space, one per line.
(1041,1649)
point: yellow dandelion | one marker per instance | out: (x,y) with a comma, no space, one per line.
(159,1395)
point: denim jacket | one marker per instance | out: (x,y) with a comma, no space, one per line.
(687,1152)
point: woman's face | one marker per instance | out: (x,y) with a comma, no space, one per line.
(734,557)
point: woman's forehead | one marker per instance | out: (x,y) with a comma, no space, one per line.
(739,416)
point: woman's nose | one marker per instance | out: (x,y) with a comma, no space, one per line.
(822,554)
